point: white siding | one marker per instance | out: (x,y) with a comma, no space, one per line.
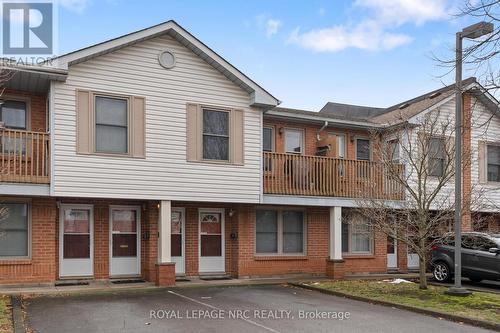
(485,127)
(164,174)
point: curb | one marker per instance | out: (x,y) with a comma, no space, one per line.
(450,317)
(17,315)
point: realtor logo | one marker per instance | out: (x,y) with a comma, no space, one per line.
(28,28)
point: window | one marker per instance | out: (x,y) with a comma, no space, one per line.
(294,141)
(14,243)
(393,150)
(436,159)
(341,145)
(363,149)
(111,125)
(215,135)
(279,232)
(267,139)
(493,152)
(13,114)
(357,237)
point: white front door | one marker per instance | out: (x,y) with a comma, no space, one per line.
(76,241)
(392,252)
(124,241)
(412,260)
(178,238)
(211,240)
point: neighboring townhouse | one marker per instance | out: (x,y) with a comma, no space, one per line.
(150,156)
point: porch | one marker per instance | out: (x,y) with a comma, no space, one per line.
(302,175)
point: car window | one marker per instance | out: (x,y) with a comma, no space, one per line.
(468,242)
(484,244)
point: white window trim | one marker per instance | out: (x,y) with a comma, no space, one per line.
(399,148)
(27,100)
(273,139)
(356,139)
(486,144)
(350,252)
(94,123)
(28,204)
(302,140)
(279,231)
(444,158)
(337,134)
(229,129)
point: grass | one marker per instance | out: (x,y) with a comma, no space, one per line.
(5,315)
(478,306)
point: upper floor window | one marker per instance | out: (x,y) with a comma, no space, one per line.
(215,135)
(363,148)
(294,141)
(111,125)
(14,114)
(341,146)
(493,163)
(437,157)
(267,139)
(393,150)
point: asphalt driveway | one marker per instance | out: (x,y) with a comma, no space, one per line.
(270,308)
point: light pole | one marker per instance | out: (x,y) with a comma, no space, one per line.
(471,32)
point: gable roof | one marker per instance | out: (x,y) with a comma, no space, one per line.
(259,96)
(370,117)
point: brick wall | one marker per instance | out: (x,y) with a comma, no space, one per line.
(310,131)
(38,106)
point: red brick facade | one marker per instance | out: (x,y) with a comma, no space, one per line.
(240,258)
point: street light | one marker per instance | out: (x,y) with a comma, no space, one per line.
(471,32)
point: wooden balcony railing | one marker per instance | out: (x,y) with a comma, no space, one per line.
(290,174)
(24,156)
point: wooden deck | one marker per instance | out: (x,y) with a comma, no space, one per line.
(289,174)
(24,156)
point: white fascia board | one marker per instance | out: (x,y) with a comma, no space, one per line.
(331,121)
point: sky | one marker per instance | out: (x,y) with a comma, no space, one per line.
(306,53)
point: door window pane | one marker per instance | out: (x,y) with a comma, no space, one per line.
(293,232)
(111,125)
(15,238)
(363,149)
(76,234)
(341,146)
(393,150)
(210,234)
(267,138)
(13,114)
(176,243)
(266,235)
(124,221)
(124,245)
(293,141)
(493,163)
(215,135)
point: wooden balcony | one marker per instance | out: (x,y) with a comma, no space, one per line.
(24,156)
(288,174)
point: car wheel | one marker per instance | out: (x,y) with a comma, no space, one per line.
(441,272)
(475,279)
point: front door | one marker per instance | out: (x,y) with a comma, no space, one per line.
(125,241)
(211,240)
(412,259)
(76,238)
(177,243)
(392,255)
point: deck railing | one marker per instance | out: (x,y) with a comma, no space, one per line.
(24,156)
(289,174)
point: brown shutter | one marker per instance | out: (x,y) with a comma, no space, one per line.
(482,162)
(138,130)
(192,132)
(237,137)
(83,122)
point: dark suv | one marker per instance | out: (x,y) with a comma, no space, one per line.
(480,257)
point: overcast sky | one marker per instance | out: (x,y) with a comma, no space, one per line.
(367,52)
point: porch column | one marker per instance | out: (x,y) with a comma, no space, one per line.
(165,268)
(336,233)
(164,228)
(335,263)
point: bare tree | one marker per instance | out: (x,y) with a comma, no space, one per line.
(426,148)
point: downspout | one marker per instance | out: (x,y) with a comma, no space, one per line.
(319,131)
